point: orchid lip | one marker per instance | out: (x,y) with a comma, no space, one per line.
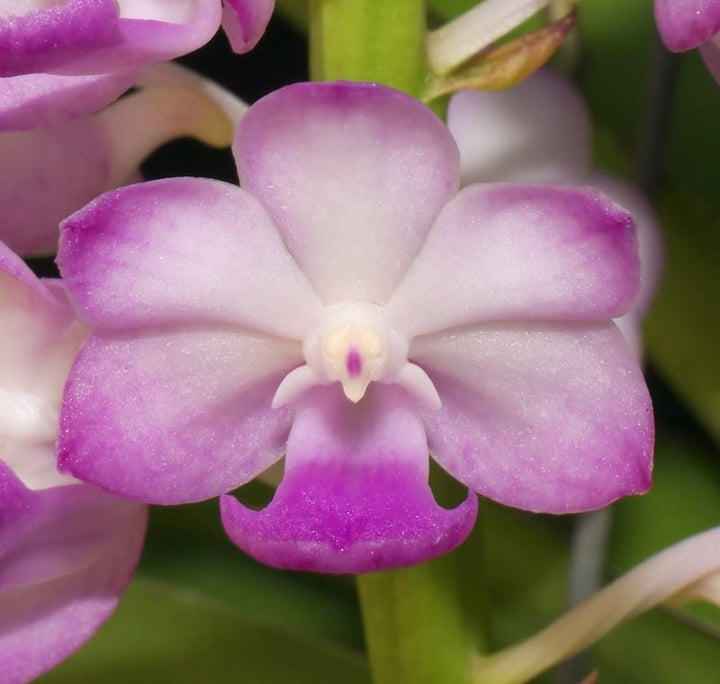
(354,344)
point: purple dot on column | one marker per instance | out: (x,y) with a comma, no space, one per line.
(353,362)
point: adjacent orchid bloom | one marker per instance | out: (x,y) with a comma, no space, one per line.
(67,550)
(687,24)
(347,309)
(63,58)
(39,183)
(540,132)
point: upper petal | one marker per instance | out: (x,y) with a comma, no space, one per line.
(520,252)
(169,415)
(355,495)
(183,249)
(535,132)
(549,418)
(36,100)
(245,21)
(66,556)
(45,38)
(710,52)
(353,175)
(684,24)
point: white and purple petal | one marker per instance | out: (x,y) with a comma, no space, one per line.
(515,252)
(353,176)
(183,250)
(170,415)
(355,496)
(551,418)
(535,132)
(66,556)
(685,24)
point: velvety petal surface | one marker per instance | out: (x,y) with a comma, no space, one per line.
(353,175)
(536,131)
(40,185)
(183,250)
(46,38)
(355,495)
(170,415)
(520,252)
(684,24)
(66,556)
(245,21)
(548,418)
(35,100)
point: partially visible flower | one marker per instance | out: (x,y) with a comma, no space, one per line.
(540,132)
(63,58)
(346,308)
(49,172)
(687,571)
(67,550)
(688,24)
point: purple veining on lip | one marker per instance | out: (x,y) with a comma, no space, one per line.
(353,362)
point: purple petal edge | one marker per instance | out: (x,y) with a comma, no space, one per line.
(331,519)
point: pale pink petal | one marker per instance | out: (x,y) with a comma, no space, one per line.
(520,252)
(353,175)
(245,21)
(181,250)
(66,556)
(685,24)
(355,495)
(170,415)
(36,100)
(536,131)
(553,418)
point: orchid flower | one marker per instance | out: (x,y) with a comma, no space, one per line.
(67,550)
(348,309)
(540,132)
(39,183)
(687,24)
(63,58)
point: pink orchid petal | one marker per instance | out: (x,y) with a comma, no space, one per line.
(245,22)
(353,175)
(685,24)
(39,184)
(50,37)
(66,556)
(82,37)
(35,100)
(552,418)
(520,252)
(710,52)
(355,496)
(650,248)
(183,250)
(167,415)
(536,131)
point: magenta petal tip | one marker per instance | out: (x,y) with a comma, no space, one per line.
(323,519)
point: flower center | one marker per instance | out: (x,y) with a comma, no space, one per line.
(354,344)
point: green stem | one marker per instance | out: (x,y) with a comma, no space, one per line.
(424,624)
(369,40)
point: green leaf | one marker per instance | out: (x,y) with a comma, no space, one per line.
(165,634)
(682,331)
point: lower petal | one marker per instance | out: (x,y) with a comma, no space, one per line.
(355,496)
(66,555)
(552,419)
